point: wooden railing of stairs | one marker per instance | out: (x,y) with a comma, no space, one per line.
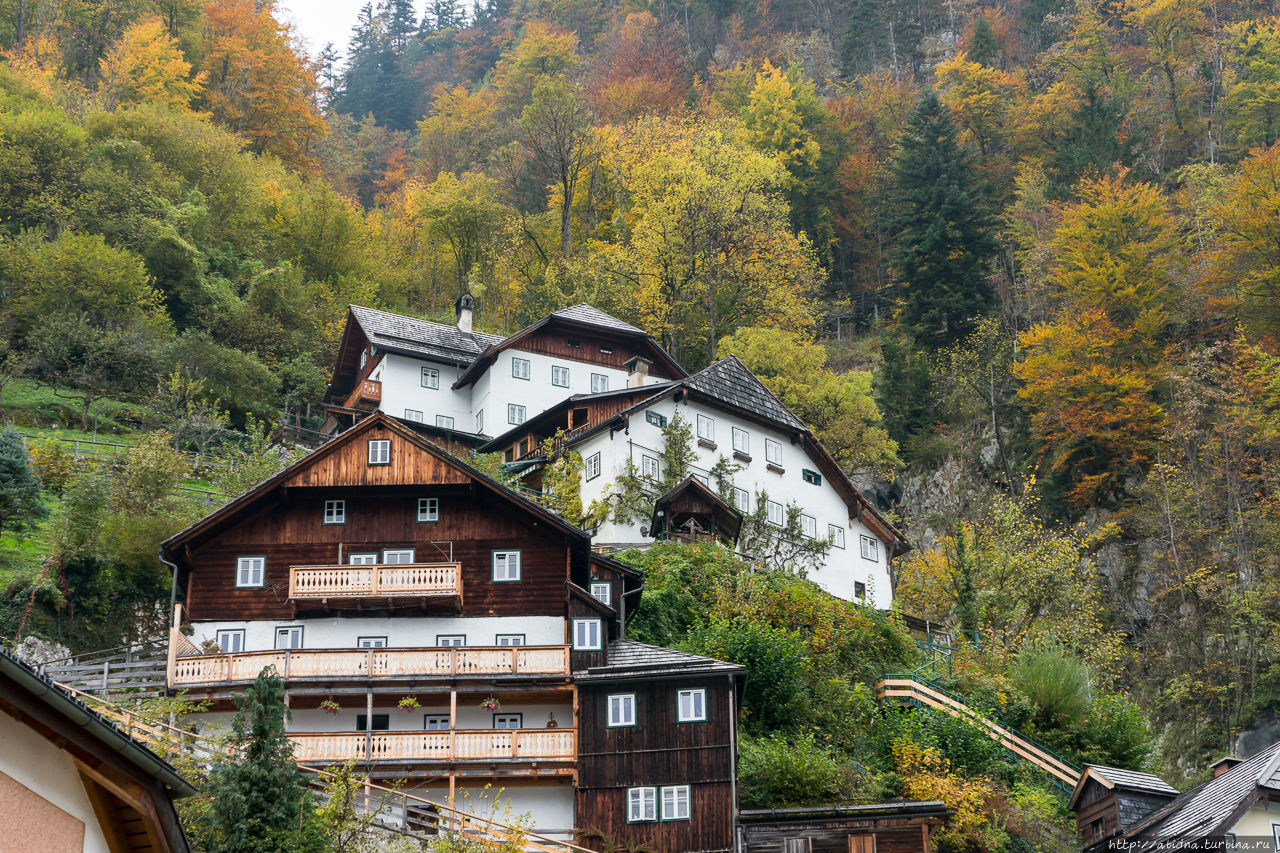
(401,812)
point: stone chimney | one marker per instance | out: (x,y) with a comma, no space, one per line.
(637,371)
(464,306)
(1223,764)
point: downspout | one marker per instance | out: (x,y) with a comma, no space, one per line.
(173,616)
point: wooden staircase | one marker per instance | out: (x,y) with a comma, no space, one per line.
(392,811)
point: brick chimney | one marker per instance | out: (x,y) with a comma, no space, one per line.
(464,306)
(637,371)
(1223,764)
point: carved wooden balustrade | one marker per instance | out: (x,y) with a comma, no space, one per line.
(403,580)
(465,745)
(366,391)
(328,664)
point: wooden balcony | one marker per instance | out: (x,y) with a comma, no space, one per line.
(446,746)
(366,395)
(335,584)
(369,664)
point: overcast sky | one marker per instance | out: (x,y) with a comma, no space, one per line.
(320,21)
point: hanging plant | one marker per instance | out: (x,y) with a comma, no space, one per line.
(491,704)
(408,703)
(211,647)
(330,707)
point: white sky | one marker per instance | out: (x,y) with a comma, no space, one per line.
(320,21)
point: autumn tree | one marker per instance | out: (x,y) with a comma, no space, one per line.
(146,65)
(1246,266)
(944,234)
(466,213)
(639,71)
(1254,97)
(558,129)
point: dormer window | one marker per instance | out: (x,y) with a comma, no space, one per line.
(335,512)
(379,451)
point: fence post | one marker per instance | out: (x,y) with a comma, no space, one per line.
(106,670)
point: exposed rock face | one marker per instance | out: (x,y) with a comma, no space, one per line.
(1264,733)
(37,652)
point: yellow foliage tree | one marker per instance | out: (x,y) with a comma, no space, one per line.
(983,100)
(775,126)
(926,775)
(146,64)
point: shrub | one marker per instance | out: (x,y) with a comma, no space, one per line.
(1116,733)
(1056,684)
(777,771)
(20,506)
(775,697)
(52,463)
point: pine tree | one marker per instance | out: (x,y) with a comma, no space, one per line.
(20,505)
(944,232)
(259,799)
(984,49)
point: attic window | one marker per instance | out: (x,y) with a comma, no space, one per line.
(379,451)
(606,350)
(812,477)
(578,418)
(574,343)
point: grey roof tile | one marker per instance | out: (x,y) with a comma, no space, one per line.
(584,313)
(1203,809)
(1132,779)
(399,333)
(627,657)
(730,381)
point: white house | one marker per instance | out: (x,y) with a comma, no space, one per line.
(609,390)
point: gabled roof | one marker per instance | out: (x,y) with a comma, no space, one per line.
(1209,809)
(725,512)
(732,382)
(1115,777)
(411,336)
(591,316)
(627,657)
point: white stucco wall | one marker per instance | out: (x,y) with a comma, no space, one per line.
(402,632)
(1259,822)
(401,378)
(497,387)
(50,773)
(549,806)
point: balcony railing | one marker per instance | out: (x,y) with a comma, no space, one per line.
(328,664)
(404,580)
(487,745)
(366,391)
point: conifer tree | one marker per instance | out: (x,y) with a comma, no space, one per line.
(944,232)
(20,504)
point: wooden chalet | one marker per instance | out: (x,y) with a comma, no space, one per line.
(1109,800)
(691,511)
(71,782)
(896,827)
(446,632)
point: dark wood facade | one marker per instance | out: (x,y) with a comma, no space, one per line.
(903,827)
(1103,811)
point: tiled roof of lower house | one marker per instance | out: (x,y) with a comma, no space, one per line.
(1132,779)
(627,657)
(1205,809)
(584,313)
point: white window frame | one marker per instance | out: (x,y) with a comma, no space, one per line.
(677,802)
(642,805)
(706,427)
(502,721)
(585,643)
(599,383)
(697,712)
(509,640)
(480,421)
(602,591)
(364,358)
(335,512)
(558,372)
(223,634)
(428,509)
(781,513)
(451,641)
(388,553)
(516,413)
(521,368)
(430,378)
(650,467)
(741,500)
(363,558)
(414,415)
(869,547)
(835,533)
(809,526)
(741,440)
(379,451)
(371,642)
(507,567)
(591,467)
(772,451)
(435,722)
(246,569)
(445,422)
(289,631)
(620,710)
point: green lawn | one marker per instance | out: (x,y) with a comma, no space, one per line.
(21,553)
(35,408)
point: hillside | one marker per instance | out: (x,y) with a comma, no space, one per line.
(1015,264)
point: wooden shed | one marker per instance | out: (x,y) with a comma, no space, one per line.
(896,827)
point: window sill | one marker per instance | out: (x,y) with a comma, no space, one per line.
(777,469)
(745,457)
(707,443)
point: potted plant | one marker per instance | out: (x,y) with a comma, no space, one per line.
(211,647)
(330,707)
(491,704)
(408,703)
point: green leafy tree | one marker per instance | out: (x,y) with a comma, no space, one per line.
(945,236)
(20,505)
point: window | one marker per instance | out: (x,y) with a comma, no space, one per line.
(660,421)
(379,451)
(506,566)
(435,722)
(430,377)
(451,640)
(509,640)
(622,710)
(650,468)
(362,559)
(289,638)
(381,722)
(428,509)
(586,635)
(599,383)
(703,479)
(675,802)
(607,350)
(835,533)
(772,451)
(812,477)
(706,428)
(809,526)
(508,721)
(364,358)
(775,514)
(480,421)
(371,642)
(520,368)
(741,440)
(397,556)
(414,415)
(691,706)
(602,591)
(231,642)
(335,512)
(574,343)
(250,571)
(642,805)
(870,548)
(859,589)
(741,499)
(559,376)
(444,421)
(592,466)
(515,414)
